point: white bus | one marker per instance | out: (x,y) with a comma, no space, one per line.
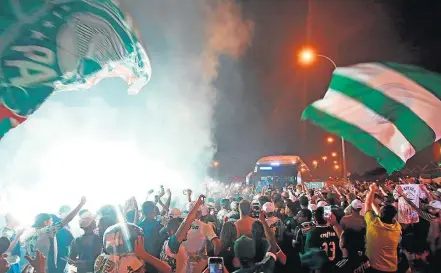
(278,170)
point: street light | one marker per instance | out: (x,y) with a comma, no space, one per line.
(336,167)
(334,154)
(307,56)
(330,140)
(215,164)
(314,163)
(324,158)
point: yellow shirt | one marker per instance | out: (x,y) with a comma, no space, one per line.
(382,243)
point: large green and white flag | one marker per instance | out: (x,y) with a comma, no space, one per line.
(47,46)
(389,111)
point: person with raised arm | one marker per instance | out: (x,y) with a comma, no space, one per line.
(199,233)
(383,234)
(43,236)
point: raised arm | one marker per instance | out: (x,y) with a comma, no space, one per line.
(186,224)
(370,197)
(73,213)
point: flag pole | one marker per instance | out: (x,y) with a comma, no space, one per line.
(343,151)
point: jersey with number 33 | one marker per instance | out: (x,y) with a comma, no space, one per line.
(326,238)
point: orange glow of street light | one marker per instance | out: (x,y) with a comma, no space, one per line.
(330,140)
(335,161)
(334,154)
(314,162)
(307,56)
(336,167)
(324,158)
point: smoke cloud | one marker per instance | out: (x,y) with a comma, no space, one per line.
(109,146)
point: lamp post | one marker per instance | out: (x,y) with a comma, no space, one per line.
(307,56)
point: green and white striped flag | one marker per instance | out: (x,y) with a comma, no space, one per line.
(389,111)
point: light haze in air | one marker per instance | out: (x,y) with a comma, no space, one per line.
(108,145)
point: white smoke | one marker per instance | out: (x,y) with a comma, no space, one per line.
(108,146)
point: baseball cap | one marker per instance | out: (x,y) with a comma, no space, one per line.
(435,204)
(244,248)
(268,207)
(175,213)
(357,204)
(191,205)
(204,210)
(40,219)
(322,204)
(121,264)
(312,207)
(86,219)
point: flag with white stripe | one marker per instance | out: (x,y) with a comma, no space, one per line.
(389,111)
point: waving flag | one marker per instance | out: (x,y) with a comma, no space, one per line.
(57,45)
(389,111)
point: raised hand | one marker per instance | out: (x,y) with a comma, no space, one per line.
(39,262)
(161,191)
(139,247)
(373,187)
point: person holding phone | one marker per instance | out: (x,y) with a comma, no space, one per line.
(199,233)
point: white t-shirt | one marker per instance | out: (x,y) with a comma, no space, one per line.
(407,215)
(196,245)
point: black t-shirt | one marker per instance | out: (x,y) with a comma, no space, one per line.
(326,238)
(357,264)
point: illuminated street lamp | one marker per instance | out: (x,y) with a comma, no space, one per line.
(315,163)
(330,140)
(336,167)
(334,154)
(324,158)
(335,161)
(215,164)
(307,56)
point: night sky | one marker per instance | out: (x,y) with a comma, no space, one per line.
(258,110)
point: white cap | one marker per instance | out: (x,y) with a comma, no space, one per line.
(86,219)
(312,207)
(322,204)
(435,204)
(268,207)
(204,210)
(191,205)
(357,204)
(234,205)
(175,213)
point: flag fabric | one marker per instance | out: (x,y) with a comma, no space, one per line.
(57,45)
(389,111)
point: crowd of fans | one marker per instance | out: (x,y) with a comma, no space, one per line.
(353,227)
